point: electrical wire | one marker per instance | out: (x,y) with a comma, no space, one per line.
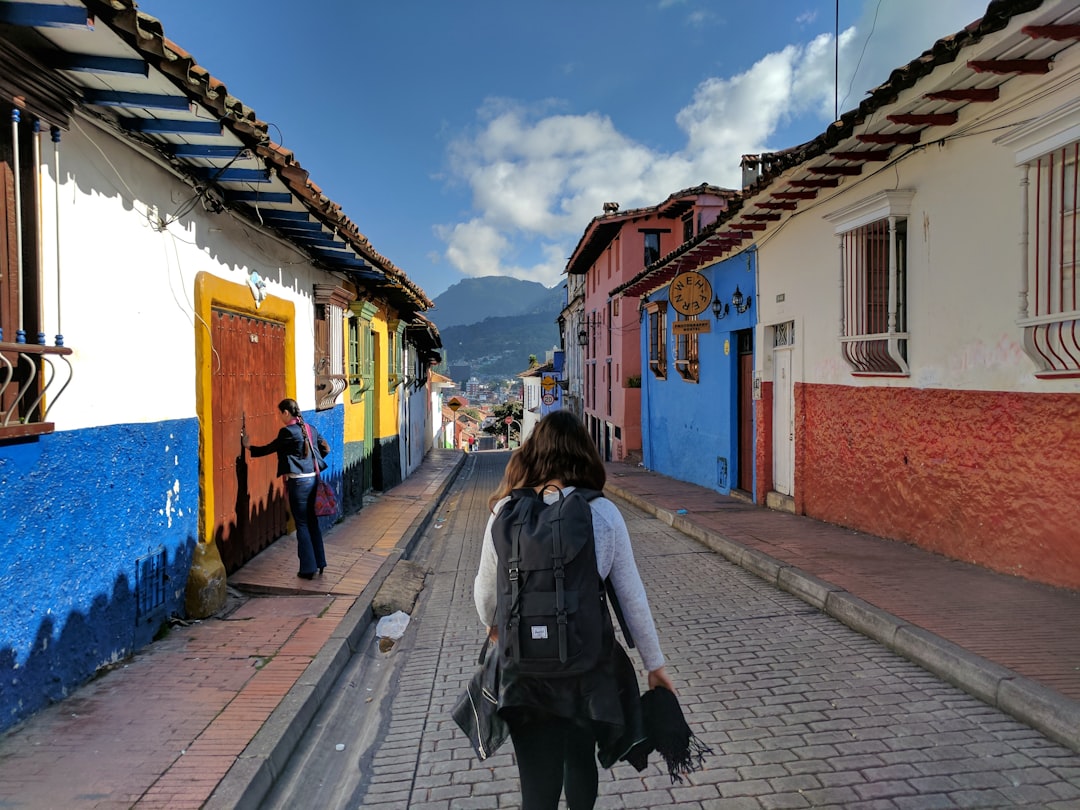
(858,64)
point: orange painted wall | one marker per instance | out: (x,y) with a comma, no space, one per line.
(981,476)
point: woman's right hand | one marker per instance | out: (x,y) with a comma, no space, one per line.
(659,677)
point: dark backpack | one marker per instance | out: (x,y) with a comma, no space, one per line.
(551,609)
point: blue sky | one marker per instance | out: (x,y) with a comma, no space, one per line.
(480,137)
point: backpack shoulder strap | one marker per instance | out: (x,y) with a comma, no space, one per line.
(613,599)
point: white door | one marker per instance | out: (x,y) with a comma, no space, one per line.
(783,422)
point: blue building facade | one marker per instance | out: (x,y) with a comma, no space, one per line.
(696,388)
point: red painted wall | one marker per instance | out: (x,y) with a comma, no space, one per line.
(981,476)
(763,474)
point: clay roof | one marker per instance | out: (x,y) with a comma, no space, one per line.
(602,229)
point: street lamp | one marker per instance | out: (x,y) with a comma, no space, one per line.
(583,338)
(453,405)
(737,300)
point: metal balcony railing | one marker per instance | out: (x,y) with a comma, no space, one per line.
(29,387)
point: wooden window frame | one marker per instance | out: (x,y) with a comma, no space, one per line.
(656,318)
(687,356)
(331,302)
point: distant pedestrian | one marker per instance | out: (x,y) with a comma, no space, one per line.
(296,454)
(556,723)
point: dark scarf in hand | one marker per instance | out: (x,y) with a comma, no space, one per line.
(668,734)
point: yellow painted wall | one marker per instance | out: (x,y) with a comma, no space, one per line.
(386,402)
(210,292)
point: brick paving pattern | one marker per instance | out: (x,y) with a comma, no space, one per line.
(800,710)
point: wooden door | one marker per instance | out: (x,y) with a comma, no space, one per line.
(250,507)
(745,415)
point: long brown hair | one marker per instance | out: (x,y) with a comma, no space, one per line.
(558,449)
(512,478)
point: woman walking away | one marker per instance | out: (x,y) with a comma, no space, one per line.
(557,722)
(297,458)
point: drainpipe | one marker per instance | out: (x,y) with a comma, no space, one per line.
(38,169)
(55,131)
(20,334)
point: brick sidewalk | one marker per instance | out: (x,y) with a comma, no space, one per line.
(171,725)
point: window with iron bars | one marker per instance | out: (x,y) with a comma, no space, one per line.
(1047,153)
(873,251)
(1052,307)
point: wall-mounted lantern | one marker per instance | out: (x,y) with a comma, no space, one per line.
(719,309)
(583,338)
(737,301)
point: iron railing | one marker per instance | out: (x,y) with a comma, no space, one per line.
(28,387)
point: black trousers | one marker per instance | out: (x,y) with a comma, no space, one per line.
(553,754)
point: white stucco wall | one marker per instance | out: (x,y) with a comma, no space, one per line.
(963,267)
(127,285)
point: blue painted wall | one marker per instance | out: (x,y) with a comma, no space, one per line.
(78,510)
(689,430)
(331,425)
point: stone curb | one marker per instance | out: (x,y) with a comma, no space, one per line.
(1045,710)
(263,761)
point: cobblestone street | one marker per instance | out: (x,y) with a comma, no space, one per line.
(799,710)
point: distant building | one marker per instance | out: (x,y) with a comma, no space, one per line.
(615,248)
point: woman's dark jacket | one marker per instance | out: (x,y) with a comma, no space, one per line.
(289,446)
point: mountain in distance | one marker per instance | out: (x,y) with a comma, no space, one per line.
(472,300)
(493,324)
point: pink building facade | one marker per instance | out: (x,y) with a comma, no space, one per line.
(614,248)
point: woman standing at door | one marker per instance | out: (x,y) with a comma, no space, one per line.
(297,458)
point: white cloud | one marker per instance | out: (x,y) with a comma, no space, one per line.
(537,178)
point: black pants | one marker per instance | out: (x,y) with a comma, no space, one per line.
(553,753)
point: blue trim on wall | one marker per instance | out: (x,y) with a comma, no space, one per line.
(331,424)
(80,510)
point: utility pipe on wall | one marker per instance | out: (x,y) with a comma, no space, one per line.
(20,335)
(40,262)
(55,131)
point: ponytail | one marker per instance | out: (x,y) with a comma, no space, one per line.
(291,407)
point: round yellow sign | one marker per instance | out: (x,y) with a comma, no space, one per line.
(690,293)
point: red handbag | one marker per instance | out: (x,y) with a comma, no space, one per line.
(326,504)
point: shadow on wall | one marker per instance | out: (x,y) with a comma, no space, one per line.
(259,519)
(260,526)
(115,627)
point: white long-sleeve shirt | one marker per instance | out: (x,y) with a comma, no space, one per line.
(614,558)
